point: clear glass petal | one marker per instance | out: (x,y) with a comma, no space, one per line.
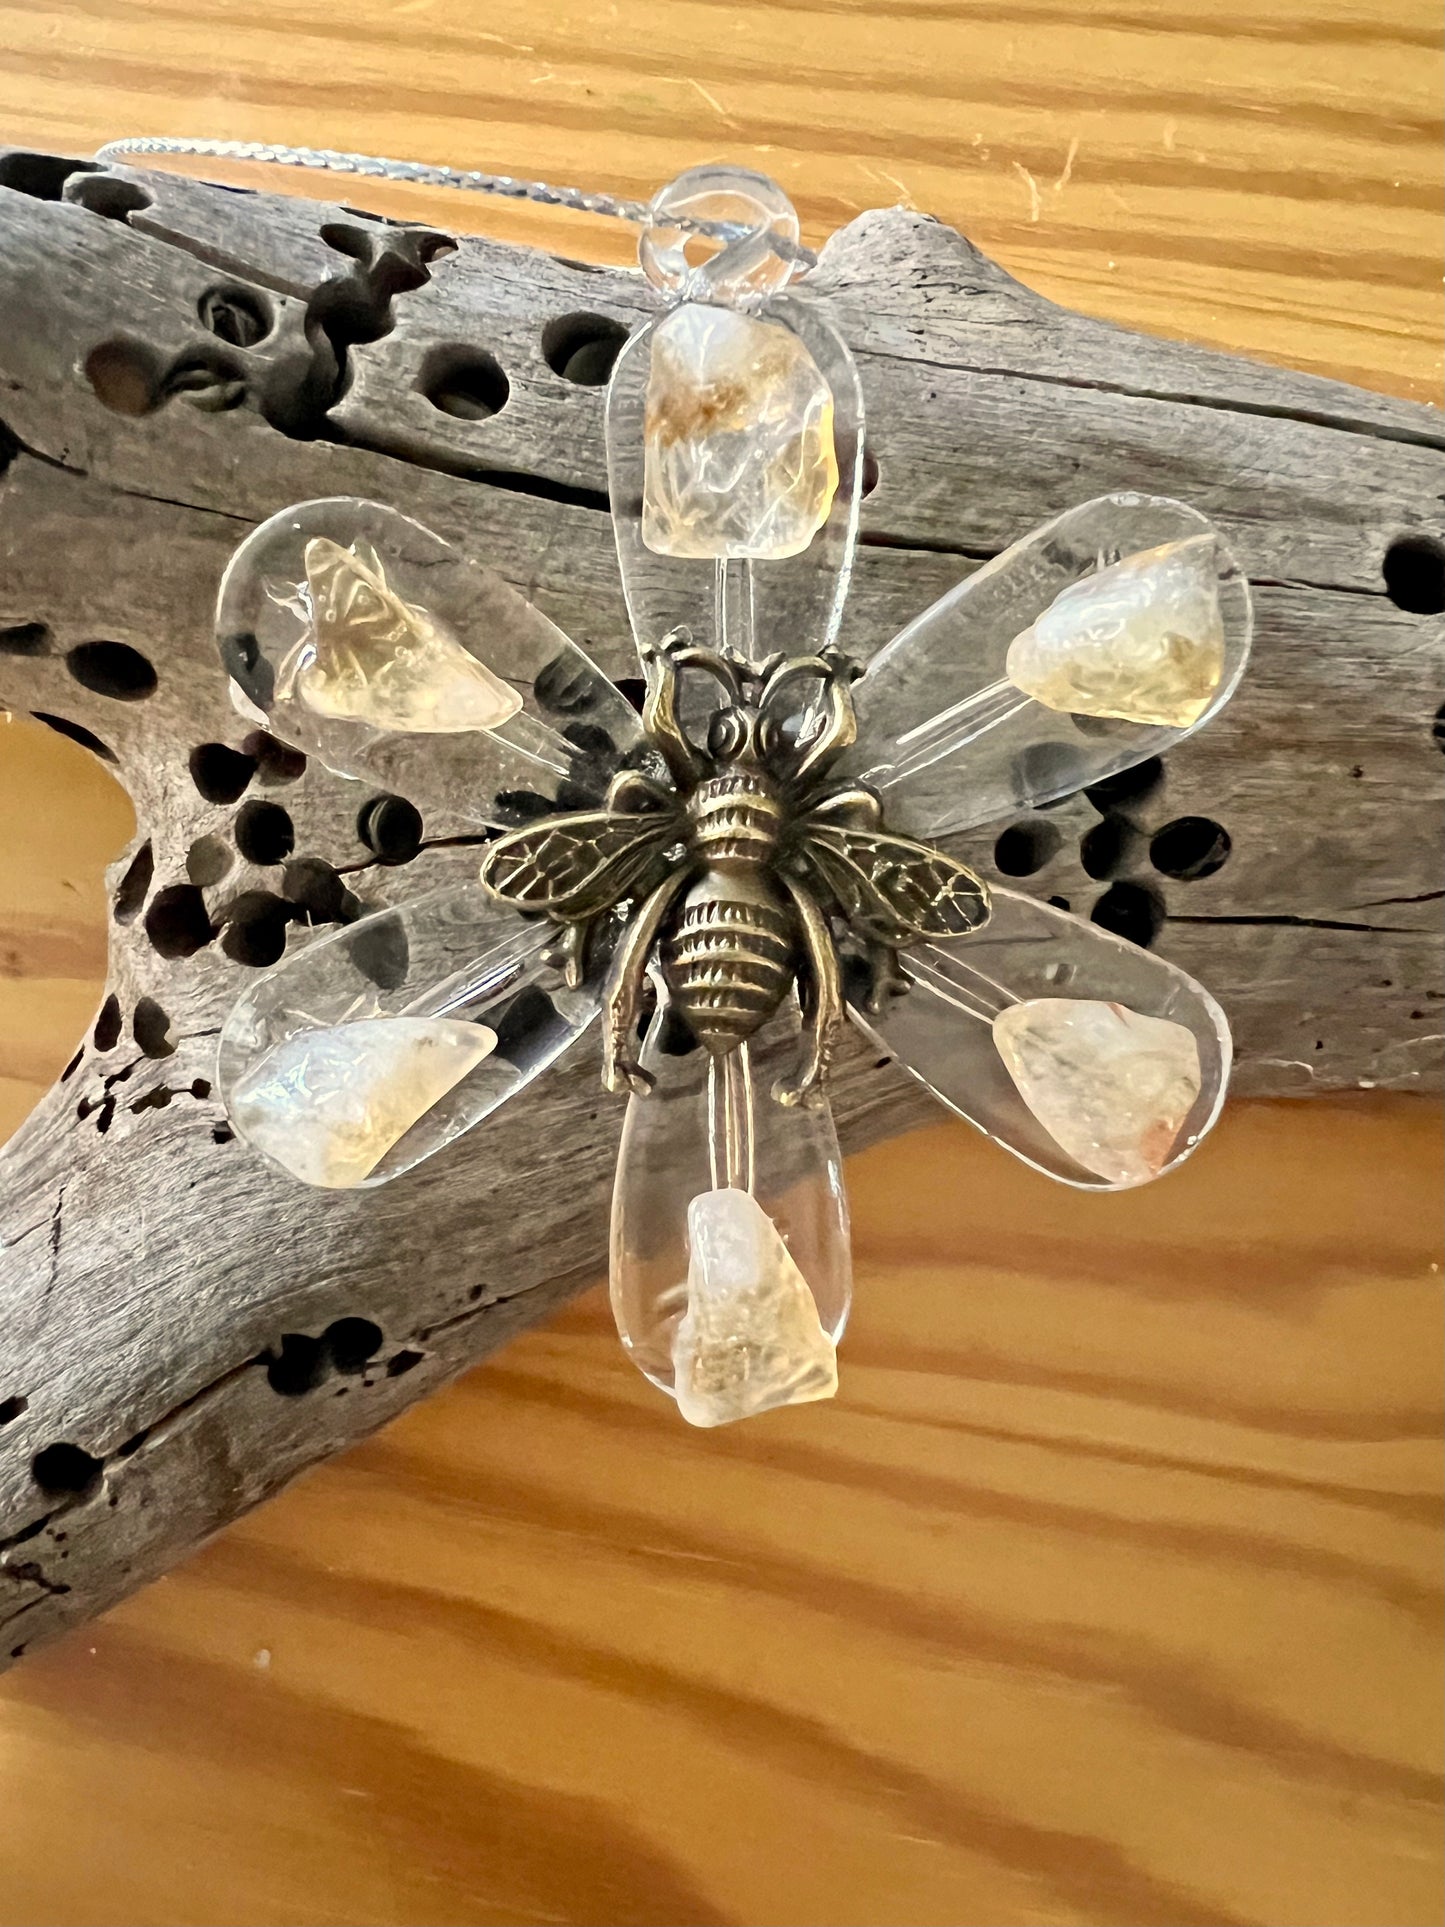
(369,642)
(379,1043)
(748,605)
(1085,1092)
(732,1310)
(1130,604)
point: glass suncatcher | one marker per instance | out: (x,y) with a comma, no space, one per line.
(732,874)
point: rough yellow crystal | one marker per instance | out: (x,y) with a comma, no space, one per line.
(371,657)
(739,456)
(1141,641)
(1111,1086)
(750,1338)
(328,1104)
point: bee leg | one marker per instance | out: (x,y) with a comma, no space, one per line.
(824,1008)
(568,953)
(888,978)
(625,979)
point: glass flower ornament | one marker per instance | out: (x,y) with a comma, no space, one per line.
(752,862)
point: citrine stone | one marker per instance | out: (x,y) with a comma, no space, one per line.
(750,1339)
(739,458)
(1111,1086)
(369,656)
(1141,641)
(328,1104)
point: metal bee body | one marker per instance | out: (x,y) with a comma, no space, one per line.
(744,872)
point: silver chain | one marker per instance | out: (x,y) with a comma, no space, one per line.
(424,174)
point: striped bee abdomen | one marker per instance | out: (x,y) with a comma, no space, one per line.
(729,956)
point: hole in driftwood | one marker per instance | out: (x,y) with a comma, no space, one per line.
(264,833)
(871,475)
(127,377)
(41,176)
(528,1016)
(677,1038)
(220,774)
(73,1066)
(112,669)
(107,195)
(1414,571)
(352,1343)
(177,922)
(1189,848)
(222,1134)
(381,952)
(390,827)
(516,807)
(1129,910)
(65,1469)
(1136,785)
(315,887)
(1023,848)
(301,1363)
(106,1034)
(151,1028)
(298,1367)
(239,316)
(255,928)
(277,762)
(1437,727)
(208,860)
(134,887)
(568,687)
(1040,767)
(24,639)
(13,1408)
(467,383)
(77,732)
(402,1362)
(243,662)
(582,347)
(1107,848)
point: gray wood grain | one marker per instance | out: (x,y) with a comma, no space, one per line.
(167,1298)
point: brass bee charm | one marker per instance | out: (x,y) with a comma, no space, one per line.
(742,875)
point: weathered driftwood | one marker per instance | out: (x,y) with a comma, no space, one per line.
(183,1330)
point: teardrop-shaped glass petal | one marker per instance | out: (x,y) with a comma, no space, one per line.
(369,642)
(377,1044)
(734,451)
(1097,641)
(732,1309)
(1089,1058)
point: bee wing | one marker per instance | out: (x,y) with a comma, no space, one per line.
(364,639)
(893,889)
(1097,1062)
(660,405)
(1092,644)
(573,867)
(375,1045)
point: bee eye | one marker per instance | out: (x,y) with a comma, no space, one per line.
(726,733)
(770,737)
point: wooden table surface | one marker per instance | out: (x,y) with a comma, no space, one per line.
(1108,1590)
